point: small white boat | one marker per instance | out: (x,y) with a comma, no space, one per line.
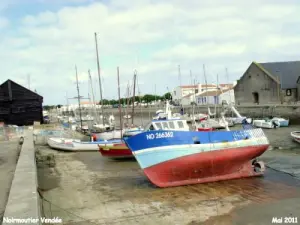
(108,135)
(101,127)
(281,121)
(296,136)
(127,116)
(77,145)
(266,123)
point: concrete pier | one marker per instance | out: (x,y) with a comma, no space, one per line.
(23,202)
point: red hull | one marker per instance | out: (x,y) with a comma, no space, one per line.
(206,129)
(206,167)
(116,151)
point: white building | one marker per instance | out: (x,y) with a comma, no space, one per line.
(215,96)
(186,94)
(179,92)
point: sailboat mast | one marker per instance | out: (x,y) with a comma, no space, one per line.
(120,112)
(133,99)
(78,97)
(127,102)
(100,85)
(206,90)
(227,76)
(93,95)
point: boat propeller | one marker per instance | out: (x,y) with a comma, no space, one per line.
(258,166)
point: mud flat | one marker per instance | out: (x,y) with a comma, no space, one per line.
(84,188)
(9,154)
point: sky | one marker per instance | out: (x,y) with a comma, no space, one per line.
(41,41)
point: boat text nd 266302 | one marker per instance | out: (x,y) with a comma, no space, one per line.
(160,135)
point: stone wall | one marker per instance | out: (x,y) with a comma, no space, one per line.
(257,81)
(291,111)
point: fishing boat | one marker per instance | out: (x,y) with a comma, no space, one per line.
(121,150)
(296,136)
(266,123)
(174,158)
(67,144)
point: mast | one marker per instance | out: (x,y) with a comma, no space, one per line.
(227,76)
(217,95)
(78,97)
(133,99)
(127,102)
(179,75)
(140,100)
(206,90)
(120,112)
(193,107)
(100,85)
(93,96)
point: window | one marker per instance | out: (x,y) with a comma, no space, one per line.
(180,124)
(158,126)
(171,125)
(151,127)
(165,125)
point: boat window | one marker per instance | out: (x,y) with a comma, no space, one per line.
(151,127)
(171,125)
(180,124)
(165,125)
(158,126)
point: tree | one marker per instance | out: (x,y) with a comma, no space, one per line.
(168,96)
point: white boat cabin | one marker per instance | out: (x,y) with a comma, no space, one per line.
(175,124)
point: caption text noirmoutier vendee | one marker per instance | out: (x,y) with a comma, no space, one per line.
(31,220)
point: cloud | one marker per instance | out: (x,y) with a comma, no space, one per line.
(3,22)
(151,36)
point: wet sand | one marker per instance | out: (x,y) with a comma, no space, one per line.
(85,188)
(9,154)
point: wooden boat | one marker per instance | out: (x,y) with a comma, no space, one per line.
(119,150)
(76,144)
(296,136)
(174,158)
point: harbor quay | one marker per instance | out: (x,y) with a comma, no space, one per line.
(291,112)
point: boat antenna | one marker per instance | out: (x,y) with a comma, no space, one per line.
(100,84)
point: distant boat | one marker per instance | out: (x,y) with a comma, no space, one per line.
(115,150)
(282,122)
(174,158)
(67,144)
(127,116)
(266,123)
(296,136)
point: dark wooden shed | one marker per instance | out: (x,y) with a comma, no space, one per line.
(19,105)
